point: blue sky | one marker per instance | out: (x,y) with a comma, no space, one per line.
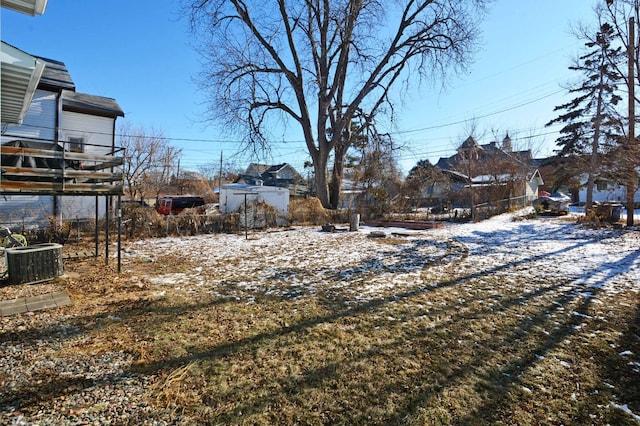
(141,54)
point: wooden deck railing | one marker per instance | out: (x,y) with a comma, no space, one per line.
(74,173)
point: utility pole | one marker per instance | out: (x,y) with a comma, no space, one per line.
(631,78)
(168,166)
(220,177)
(178,178)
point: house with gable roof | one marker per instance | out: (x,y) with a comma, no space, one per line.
(279,175)
(562,176)
(494,171)
(70,125)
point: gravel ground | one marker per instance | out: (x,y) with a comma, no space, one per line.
(42,383)
(66,389)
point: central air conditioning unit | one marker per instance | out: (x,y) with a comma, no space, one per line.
(34,264)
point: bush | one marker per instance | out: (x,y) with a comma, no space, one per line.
(140,221)
(308,211)
(259,215)
(58,231)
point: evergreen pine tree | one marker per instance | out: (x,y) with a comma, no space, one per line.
(591,120)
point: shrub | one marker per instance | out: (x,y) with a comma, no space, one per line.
(141,221)
(308,211)
(57,231)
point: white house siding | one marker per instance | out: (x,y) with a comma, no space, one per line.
(97,133)
(25,211)
(531,190)
(612,193)
(39,123)
(286,173)
(40,120)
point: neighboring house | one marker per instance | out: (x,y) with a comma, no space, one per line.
(604,191)
(473,159)
(524,185)
(350,193)
(494,171)
(438,191)
(561,177)
(279,175)
(82,127)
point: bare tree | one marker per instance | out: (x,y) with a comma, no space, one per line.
(321,64)
(373,169)
(213,173)
(426,183)
(150,161)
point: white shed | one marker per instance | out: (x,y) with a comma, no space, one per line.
(233,196)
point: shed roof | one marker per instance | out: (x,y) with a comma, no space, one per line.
(246,188)
(96,105)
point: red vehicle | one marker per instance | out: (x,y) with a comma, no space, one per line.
(175,204)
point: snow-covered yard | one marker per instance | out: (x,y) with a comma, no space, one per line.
(305,261)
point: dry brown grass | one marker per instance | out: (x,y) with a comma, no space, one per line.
(308,211)
(460,350)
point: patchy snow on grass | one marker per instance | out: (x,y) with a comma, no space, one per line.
(354,268)
(626,409)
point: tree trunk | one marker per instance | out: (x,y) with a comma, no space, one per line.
(320,160)
(322,187)
(590,184)
(334,188)
(595,145)
(336,177)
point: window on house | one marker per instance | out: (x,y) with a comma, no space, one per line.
(602,186)
(75,144)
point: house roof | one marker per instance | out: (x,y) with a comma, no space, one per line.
(457,176)
(446,163)
(28,7)
(258,168)
(20,75)
(276,168)
(487,150)
(470,142)
(91,104)
(55,76)
(268,171)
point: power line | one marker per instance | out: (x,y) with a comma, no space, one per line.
(274,142)
(281,146)
(439,126)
